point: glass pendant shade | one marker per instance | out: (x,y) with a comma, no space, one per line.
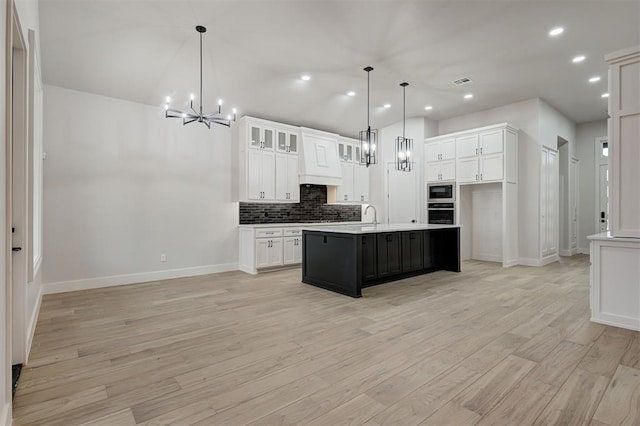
(369,137)
(404,146)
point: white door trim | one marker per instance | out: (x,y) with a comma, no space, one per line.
(598,162)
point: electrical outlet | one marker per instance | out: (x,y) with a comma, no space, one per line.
(163,257)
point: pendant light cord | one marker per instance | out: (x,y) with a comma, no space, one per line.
(404,107)
(200,73)
(368,123)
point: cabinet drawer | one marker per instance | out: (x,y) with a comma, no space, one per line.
(269,232)
(292,231)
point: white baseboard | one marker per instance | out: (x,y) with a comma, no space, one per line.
(487,257)
(115,280)
(527,261)
(583,250)
(510,263)
(549,259)
(5,414)
(566,253)
(32,322)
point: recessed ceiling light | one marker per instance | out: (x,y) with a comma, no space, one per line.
(428,107)
(594,79)
(578,58)
(387,105)
(604,95)
(556,31)
(468,96)
(306,77)
(351,93)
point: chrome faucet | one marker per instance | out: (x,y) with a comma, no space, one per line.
(375,213)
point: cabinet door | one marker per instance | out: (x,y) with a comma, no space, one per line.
(361,183)
(448,149)
(293,178)
(282,187)
(411,251)
(388,254)
(432,151)
(282,140)
(448,170)
(289,250)
(491,167)
(293,143)
(345,191)
(432,172)
(491,142)
(369,258)
(268,138)
(254,170)
(267,174)
(467,170)
(297,250)
(275,252)
(263,246)
(467,146)
(427,250)
(255,136)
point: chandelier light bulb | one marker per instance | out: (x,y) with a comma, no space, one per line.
(373,147)
(166,107)
(193,96)
(184,115)
(234,111)
(168,99)
(219,102)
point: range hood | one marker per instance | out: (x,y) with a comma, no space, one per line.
(319,160)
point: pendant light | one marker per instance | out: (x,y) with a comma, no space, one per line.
(191,115)
(369,137)
(404,146)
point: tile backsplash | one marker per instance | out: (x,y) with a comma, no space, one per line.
(312,207)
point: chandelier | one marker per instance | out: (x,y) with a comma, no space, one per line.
(191,115)
(369,137)
(403,145)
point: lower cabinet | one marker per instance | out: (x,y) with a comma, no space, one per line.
(369,258)
(292,250)
(268,248)
(389,254)
(268,252)
(412,251)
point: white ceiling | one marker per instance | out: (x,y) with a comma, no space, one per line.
(256,51)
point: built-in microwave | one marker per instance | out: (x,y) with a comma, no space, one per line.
(441,193)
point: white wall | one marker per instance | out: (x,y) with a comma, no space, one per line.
(414,129)
(5,346)
(123,185)
(586,133)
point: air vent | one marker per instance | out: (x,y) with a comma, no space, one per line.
(461,81)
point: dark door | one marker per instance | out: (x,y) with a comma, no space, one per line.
(369,260)
(411,251)
(389,254)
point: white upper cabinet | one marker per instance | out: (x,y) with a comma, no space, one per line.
(355,177)
(467,146)
(287,140)
(287,186)
(346,150)
(491,142)
(265,175)
(440,160)
(261,136)
(345,191)
(361,184)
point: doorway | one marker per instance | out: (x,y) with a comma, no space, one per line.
(602,184)
(401,195)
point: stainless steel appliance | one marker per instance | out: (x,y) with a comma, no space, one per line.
(441,193)
(441,213)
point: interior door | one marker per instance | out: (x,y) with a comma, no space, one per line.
(401,195)
(574,179)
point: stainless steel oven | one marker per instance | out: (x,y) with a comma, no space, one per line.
(441,193)
(441,213)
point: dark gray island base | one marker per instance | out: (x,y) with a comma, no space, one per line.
(346,259)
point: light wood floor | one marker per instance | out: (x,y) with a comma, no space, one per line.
(486,346)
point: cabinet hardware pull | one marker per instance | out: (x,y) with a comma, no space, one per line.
(480,150)
(476,177)
(476,151)
(480,176)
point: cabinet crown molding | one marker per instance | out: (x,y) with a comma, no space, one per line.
(506,126)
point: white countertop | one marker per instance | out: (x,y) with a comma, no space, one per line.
(297,225)
(606,236)
(368,228)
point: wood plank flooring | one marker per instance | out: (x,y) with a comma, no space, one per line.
(485,346)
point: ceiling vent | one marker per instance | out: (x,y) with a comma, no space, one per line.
(461,81)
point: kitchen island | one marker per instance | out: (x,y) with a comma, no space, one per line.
(348,258)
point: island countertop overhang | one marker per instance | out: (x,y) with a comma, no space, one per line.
(375,229)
